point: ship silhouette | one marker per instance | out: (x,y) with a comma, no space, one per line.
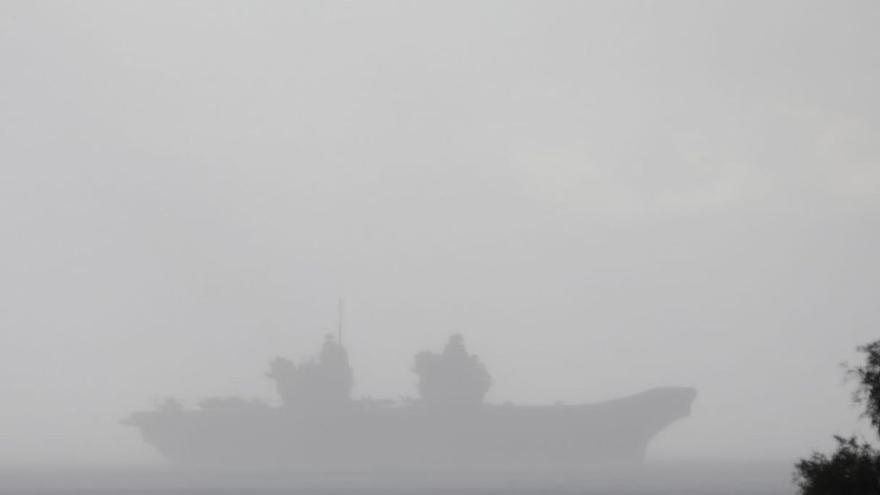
(318,425)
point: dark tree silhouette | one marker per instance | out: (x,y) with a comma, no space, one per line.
(868,375)
(851,470)
(452,380)
(317,386)
(854,468)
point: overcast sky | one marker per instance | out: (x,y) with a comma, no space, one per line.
(601,197)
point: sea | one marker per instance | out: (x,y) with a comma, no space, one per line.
(649,479)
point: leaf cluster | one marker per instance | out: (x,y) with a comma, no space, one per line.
(868,375)
(854,467)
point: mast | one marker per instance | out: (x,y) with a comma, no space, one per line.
(339,322)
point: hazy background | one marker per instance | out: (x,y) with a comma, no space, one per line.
(601,197)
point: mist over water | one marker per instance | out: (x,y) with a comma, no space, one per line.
(675,478)
(674,205)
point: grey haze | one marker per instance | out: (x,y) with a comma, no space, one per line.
(602,197)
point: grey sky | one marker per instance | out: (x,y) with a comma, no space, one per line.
(601,197)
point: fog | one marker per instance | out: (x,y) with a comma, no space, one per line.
(601,197)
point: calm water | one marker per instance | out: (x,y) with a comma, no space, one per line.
(681,479)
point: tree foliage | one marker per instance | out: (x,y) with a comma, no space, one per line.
(868,375)
(854,467)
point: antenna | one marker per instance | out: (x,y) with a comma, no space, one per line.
(339,321)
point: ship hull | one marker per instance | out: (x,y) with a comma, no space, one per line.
(617,431)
